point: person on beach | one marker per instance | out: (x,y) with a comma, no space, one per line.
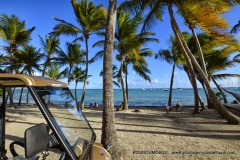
(95,105)
(121,106)
(91,105)
(168,107)
(178,106)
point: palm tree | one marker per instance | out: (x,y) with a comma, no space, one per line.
(155,10)
(54,72)
(72,57)
(223,37)
(49,46)
(13,32)
(137,58)
(205,15)
(216,56)
(219,62)
(109,134)
(170,56)
(128,44)
(91,19)
(78,76)
(29,57)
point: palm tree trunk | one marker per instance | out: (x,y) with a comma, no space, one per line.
(20,98)
(209,103)
(85,77)
(125,107)
(200,53)
(171,84)
(195,89)
(109,134)
(10,95)
(230,117)
(76,91)
(126,81)
(201,103)
(69,73)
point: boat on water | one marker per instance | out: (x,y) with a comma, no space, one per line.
(165,89)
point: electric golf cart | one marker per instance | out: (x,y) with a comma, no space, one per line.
(40,119)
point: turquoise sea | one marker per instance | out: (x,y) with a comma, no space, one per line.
(139,97)
(149,97)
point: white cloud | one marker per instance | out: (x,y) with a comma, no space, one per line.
(36,73)
(132,82)
(155,81)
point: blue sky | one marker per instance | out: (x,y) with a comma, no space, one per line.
(39,13)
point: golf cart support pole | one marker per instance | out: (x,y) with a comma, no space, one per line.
(2,125)
(48,118)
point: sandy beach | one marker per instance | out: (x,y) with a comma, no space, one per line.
(152,134)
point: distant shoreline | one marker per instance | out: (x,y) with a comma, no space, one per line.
(146,107)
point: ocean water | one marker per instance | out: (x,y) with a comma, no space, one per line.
(139,97)
(149,97)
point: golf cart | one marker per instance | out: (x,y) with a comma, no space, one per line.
(44,121)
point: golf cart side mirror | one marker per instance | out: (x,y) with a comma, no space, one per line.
(36,140)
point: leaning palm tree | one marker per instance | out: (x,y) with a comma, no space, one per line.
(90,19)
(216,56)
(49,45)
(71,57)
(155,11)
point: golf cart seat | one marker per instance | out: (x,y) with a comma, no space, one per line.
(35,141)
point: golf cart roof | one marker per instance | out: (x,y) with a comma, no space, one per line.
(23,80)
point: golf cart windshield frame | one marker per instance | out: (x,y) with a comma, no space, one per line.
(14,82)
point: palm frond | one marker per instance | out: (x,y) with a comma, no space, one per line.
(225,76)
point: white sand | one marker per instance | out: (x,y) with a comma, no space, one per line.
(202,136)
